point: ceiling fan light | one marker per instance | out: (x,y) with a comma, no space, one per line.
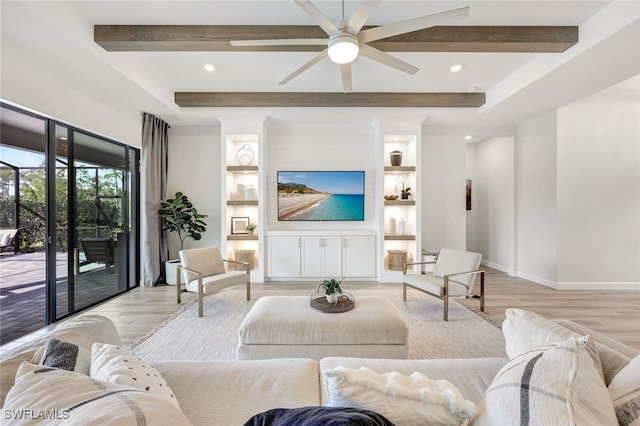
(343,48)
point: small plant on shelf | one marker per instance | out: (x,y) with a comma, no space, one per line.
(250,228)
(405,193)
(332,289)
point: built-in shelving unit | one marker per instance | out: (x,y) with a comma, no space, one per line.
(242,183)
(400,217)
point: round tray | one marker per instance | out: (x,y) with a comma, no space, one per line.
(345,303)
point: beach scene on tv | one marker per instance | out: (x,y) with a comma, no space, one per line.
(325,195)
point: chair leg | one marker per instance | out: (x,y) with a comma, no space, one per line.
(200,297)
(404,292)
(249,291)
(482,291)
(178,289)
(445,299)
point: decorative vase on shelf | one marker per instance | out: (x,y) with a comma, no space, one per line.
(396,158)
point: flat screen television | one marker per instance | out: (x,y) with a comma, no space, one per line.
(321,195)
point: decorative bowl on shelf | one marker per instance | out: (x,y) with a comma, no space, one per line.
(390,197)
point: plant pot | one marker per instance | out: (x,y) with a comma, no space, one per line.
(333,297)
(404,196)
(170,268)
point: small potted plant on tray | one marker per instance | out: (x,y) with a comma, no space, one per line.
(331,289)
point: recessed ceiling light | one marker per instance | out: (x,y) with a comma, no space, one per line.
(468,137)
(456,67)
(209,67)
(473,89)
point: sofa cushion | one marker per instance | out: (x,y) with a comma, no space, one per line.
(43,393)
(554,384)
(67,356)
(524,330)
(230,392)
(318,416)
(405,400)
(625,393)
(83,331)
(111,363)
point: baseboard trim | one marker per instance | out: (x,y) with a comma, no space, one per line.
(538,280)
(629,286)
(495,266)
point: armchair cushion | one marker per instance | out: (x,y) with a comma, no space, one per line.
(434,285)
(214,283)
(451,261)
(207,260)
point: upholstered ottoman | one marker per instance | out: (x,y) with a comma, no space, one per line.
(288,327)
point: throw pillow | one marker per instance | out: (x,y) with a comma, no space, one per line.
(555,384)
(318,416)
(67,356)
(45,395)
(113,364)
(625,393)
(405,400)
(524,330)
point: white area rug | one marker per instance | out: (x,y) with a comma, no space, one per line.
(184,336)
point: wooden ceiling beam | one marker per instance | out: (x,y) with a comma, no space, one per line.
(535,39)
(328,99)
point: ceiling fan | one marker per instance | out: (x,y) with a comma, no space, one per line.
(346,40)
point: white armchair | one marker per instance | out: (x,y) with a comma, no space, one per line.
(454,275)
(204,272)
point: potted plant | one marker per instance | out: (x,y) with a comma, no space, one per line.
(182,218)
(331,288)
(405,193)
(250,228)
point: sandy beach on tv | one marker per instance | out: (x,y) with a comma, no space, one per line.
(290,204)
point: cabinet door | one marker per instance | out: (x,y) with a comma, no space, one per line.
(332,257)
(311,256)
(284,257)
(359,256)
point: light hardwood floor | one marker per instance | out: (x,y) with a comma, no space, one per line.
(613,313)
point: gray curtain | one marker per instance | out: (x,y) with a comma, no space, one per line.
(155,249)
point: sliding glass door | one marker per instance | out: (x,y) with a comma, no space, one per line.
(73,196)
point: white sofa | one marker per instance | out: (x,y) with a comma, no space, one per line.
(231,392)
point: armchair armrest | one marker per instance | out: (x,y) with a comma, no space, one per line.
(477,271)
(246,264)
(404,265)
(179,269)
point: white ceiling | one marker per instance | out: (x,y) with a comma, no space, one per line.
(59,35)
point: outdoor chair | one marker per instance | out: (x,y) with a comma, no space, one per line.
(204,272)
(97,250)
(454,275)
(9,240)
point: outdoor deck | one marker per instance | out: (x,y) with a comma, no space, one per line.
(22,290)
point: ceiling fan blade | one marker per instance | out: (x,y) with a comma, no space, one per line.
(315,14)
(410,25)
(386,59)
(360,16)
(282,42)
(345,71)
(320,56)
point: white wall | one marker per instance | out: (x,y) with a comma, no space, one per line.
(322,146)
(472,216)
(493,202)
(47,96)
(599,189)
(194,169)
(443,190)
(536,204)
